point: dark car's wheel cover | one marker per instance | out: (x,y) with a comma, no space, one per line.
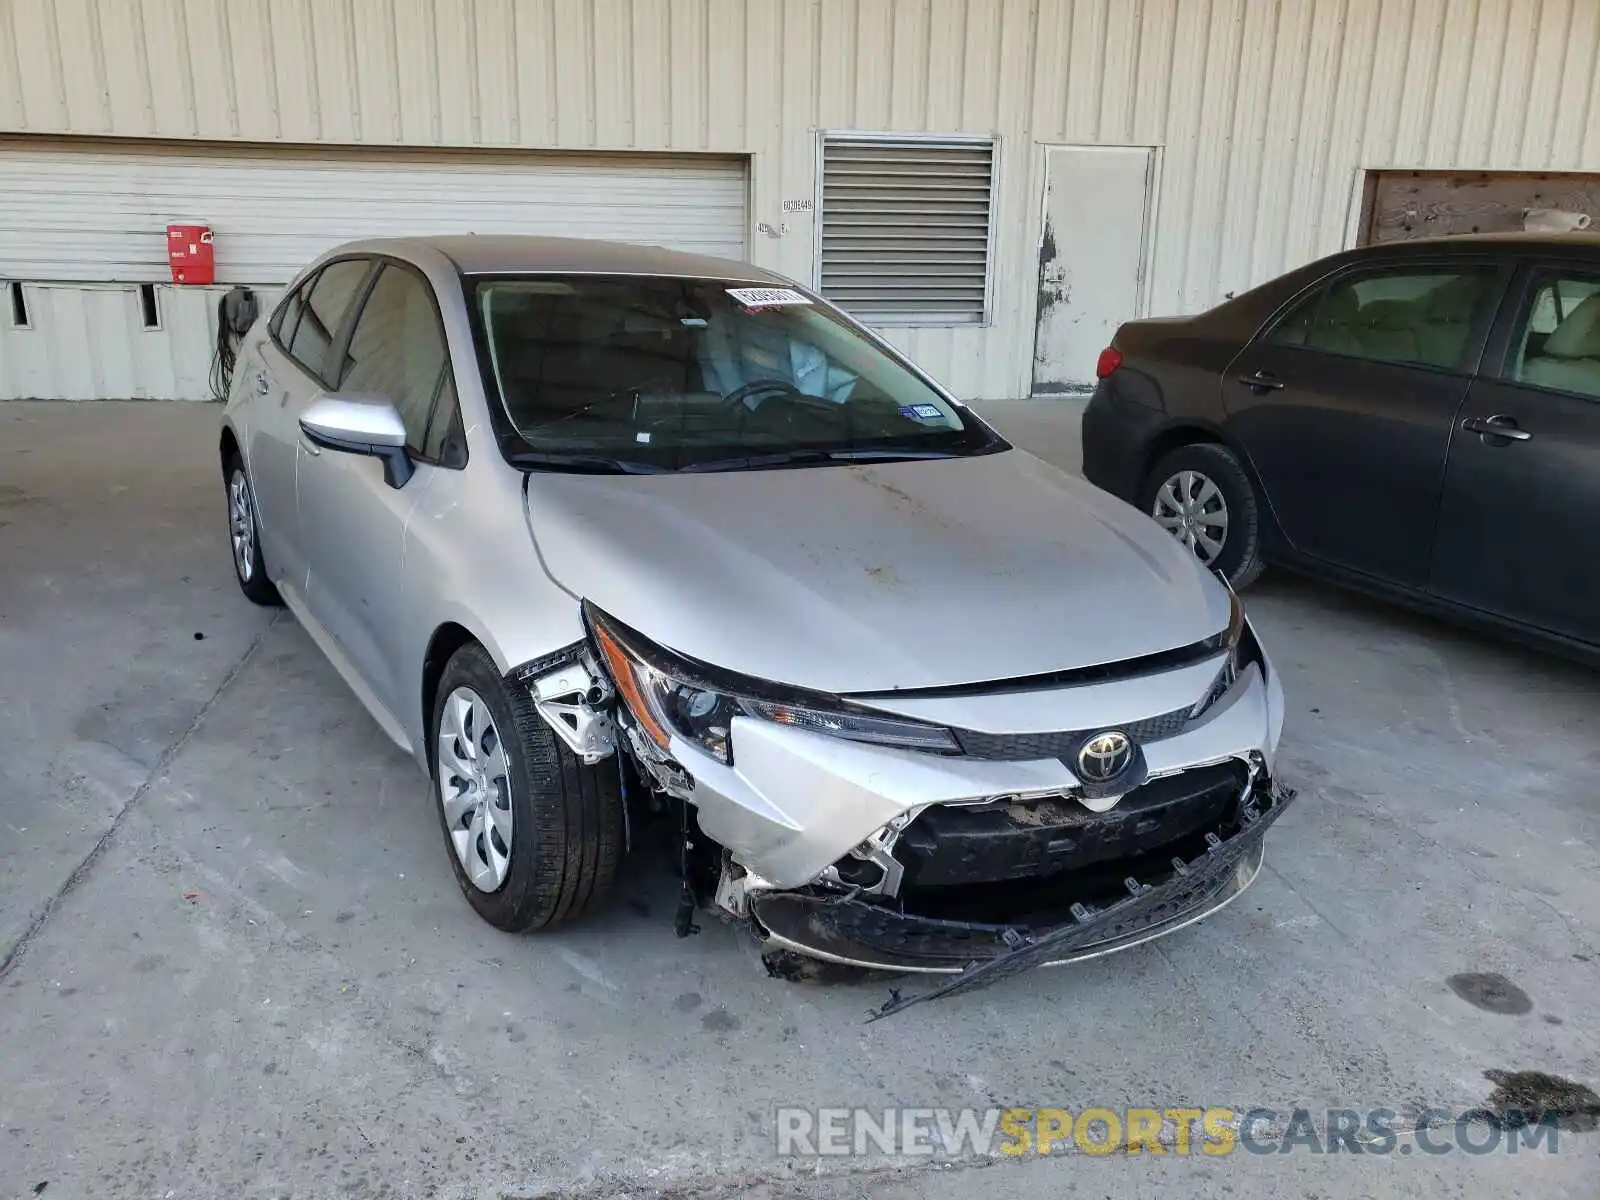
(1192,508)
(1202,495)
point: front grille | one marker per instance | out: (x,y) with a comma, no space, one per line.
(1022,747)
(956,845)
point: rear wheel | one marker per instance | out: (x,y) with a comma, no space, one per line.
(534,835)
(244,537)
(1202,495)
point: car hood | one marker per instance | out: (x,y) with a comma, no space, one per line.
(876,577)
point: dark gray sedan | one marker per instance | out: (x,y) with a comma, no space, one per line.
(1419,419)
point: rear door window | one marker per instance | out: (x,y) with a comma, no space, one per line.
(1429,317)
(322,315)
(287,318)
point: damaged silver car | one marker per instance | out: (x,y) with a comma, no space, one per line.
(605,535)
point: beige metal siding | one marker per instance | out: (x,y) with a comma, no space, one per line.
(89,343)
(1264,110)
(98,211)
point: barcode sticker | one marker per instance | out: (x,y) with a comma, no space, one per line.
(766,297)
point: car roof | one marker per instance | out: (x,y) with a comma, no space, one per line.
(1515,240)
(492,254)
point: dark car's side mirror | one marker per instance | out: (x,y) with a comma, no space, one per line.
(361,423)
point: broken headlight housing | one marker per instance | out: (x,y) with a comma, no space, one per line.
(670,695)
(1241,647)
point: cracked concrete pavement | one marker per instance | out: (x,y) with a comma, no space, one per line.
(235,962)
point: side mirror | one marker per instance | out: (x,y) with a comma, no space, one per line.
(361,423)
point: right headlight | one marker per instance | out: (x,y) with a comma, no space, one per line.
(668,694)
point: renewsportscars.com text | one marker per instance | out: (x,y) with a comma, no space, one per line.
(1215,1132)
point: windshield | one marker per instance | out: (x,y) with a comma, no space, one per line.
(649,373)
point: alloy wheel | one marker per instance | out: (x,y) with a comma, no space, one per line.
(242,524)
(475,788)
(1191,507)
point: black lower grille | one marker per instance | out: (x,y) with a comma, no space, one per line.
(951,846)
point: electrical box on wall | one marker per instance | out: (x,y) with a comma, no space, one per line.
(189,253)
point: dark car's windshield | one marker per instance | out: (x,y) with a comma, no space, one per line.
(649,373)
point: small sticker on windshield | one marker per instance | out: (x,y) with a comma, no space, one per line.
(766,297)
(642,438)
(922,412)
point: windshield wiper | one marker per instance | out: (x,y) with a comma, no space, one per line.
(815,458)
(760,462)
(892,454)
(595,464)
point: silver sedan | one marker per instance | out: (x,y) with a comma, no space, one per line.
(602,534)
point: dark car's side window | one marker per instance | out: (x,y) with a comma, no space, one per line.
(1558,339)
(398,350)
(321,315)
(1425,317)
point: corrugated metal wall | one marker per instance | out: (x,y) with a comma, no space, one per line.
(87,342)
(1265,109)
(106,203)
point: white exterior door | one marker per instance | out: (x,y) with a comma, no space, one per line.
(83,224)
(1091,258)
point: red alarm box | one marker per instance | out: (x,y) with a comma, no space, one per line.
(189,252)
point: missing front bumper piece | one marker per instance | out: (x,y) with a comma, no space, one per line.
(1155,898)
(574,697)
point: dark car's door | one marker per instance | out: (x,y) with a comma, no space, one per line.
(1345,405)
(1518,533)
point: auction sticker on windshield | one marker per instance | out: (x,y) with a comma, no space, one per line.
(766,297)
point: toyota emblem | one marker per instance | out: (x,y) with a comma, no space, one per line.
(1104,756)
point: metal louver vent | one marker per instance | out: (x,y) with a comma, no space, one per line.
(905,229)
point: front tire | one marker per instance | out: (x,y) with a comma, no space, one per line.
(244,537)
(1202,495)
(534,835)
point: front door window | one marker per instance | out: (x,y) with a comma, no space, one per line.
(1559,346)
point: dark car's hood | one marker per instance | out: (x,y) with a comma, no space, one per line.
(870,578)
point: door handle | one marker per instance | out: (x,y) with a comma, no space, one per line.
(1261,381)
(263,384)
(1497,426)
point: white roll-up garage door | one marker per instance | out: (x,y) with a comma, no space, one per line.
(82,226)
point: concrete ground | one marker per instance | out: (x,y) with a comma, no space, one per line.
(233,961)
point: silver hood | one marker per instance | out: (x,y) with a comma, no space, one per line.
(872,578)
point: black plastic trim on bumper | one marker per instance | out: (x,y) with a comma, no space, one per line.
(849,930)
(953,846)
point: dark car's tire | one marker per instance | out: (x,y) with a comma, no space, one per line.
(534,836)
(1203,496)
(244,536)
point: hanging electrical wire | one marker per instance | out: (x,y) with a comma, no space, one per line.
(236,312)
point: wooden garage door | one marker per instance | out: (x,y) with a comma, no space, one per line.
(1417,204)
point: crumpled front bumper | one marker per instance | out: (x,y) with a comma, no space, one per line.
(843,928)
(793,803)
